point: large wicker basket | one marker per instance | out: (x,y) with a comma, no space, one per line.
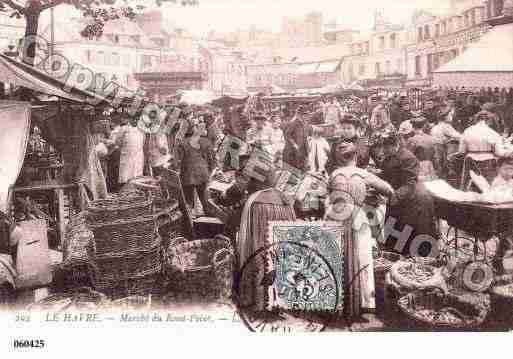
(119,207)
(118,237)
(432,308)
(201,268)
(140,286)
(138,264)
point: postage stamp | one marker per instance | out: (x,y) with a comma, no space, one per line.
(295,283)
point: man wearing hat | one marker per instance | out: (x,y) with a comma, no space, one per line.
(380,117)
(296,140)
(410,204)
(443,134)
(259,136)
(430,111)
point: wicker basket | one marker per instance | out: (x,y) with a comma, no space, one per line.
(120,207)
(382,266)
(431,308)
(139,264)
(202,268)
(141,286)
(501,295)
(119,237)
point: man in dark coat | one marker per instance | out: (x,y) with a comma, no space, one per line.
(296,133)
(411,208)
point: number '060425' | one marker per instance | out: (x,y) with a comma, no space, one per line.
(29,343)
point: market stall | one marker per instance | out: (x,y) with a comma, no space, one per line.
(477,67)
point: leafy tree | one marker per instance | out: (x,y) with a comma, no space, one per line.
(98,11)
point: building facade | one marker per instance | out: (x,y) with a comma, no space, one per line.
(377,58)
(293,76)
(439,39)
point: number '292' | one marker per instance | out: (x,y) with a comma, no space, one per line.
(29,343)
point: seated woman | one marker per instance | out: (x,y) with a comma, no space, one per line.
(348,186)
(410,210)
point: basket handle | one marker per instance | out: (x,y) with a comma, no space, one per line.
(217,259)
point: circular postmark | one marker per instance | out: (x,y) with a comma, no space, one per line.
(286,287)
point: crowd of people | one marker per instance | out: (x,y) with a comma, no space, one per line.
(378,150)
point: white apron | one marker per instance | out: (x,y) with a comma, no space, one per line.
(131,145)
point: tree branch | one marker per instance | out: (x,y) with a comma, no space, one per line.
(15,6)
(52,4)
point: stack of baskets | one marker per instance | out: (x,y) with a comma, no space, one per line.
(170,219)
(128,256)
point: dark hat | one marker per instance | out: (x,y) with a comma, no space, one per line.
(346,147)
(350,119)
(418,119)
(302,110)
(259,117)
(488,106)
(387,136)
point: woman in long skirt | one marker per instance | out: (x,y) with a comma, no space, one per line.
(348,188)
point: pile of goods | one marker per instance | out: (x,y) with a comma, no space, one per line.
(432,308)
(201,269)
(413,275)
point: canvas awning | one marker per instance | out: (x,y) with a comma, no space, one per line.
(20,74)
(488,62)
(330,66)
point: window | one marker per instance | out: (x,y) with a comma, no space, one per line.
(378,68)
(393,41)
(101,57)
(381,43)
(418,69)
(116,39)
(473,17)
(466,20)
(437,30)
(419,35)
(427,35)
(115,61)
(444,28)
(146,61)
(430,63)
(399,66)
(388,68)
(88,56)
(126,60)
(361,69)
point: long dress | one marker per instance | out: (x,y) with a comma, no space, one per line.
(130,141)
(261,208)
(359,290)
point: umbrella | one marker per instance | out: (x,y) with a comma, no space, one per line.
(197,97)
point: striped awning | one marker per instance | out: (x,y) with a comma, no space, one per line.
(20,74)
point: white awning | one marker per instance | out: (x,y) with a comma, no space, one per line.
(328,66)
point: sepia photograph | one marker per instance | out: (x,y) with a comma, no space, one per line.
(239,166)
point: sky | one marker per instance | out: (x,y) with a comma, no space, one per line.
(230,15)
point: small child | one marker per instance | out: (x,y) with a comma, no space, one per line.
(318,151)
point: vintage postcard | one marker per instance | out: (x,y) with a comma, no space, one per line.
(189,171)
